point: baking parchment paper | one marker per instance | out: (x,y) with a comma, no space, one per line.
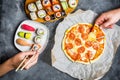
(92,71)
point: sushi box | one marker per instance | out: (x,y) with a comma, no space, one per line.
(49,10)
(31,33)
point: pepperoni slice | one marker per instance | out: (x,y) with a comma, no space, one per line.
(88,30)
(99,39)
(73,55)
(99,34)
(84,36)
(72,36)
(79,57)
(81,49)
(95,46)
(88,43)
(81,28)
(89,55)
(77,41)
(68,46)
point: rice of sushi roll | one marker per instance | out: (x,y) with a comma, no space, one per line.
(40,31)
(32,7)
(39,5)
(56,8)
(64,4)
(33,15)
(46,3)
(37,39)
(55,2)
(58,14)
(72,3)
(47,18)
(41,13)
(49,10)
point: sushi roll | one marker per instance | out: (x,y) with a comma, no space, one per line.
(49,10)
(58,14)
(47,18)
(55,2)
(37,39)
(36,47)
(41,13)
(39,5)
(46,3)
(40,31)
(72,3)
(64,4)
(33,15)
(56,8)
(32,7)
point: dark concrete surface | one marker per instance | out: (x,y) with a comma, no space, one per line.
(12,14)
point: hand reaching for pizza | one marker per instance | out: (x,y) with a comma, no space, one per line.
(108,19)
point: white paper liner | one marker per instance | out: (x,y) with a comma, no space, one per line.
(82,71)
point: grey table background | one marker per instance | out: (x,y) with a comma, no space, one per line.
(11,15)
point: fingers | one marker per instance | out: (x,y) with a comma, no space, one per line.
(28,53)
(31,61)
(17,59)
(111,26)
(100,20)
(31,64)
(107,24)
(35,57)
(104,21)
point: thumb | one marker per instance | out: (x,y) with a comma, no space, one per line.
(111,26)
(107,23)
(28,53)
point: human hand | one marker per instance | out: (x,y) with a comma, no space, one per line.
(17,59)
(13,62)
(108,19)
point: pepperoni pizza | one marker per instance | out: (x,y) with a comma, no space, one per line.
(80,44)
